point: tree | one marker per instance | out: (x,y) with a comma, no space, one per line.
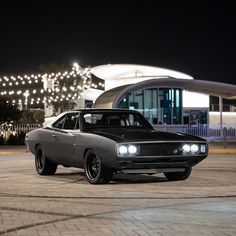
(26,117)
(64,85)
(38,116)
(8,111)
(32,116)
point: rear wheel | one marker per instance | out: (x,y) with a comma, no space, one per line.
(175,176)
(94,171)
(42,164)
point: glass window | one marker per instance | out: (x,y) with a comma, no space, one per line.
(114,120)
(59,124)
(70,121)
(195,117)
(158,105)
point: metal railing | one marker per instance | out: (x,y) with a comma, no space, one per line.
(201,130)
(14,134)
(15,129)
(198,130)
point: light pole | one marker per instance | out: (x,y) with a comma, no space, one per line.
(26,94)
(76,66)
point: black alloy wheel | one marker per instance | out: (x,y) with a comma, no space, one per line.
(42,164)
(175,176)
(94,171)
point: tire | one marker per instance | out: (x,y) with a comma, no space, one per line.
(95,173)
(42,164)
(175,176)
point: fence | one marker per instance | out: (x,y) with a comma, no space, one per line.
(201,130)
(17,128)
(206,131)
(14,134)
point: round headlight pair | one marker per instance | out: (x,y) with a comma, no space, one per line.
(190,148)
(124,150)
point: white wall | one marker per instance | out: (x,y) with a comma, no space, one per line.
(91,94)
(229,118)
(192,99)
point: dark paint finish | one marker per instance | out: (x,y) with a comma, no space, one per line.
(134,135)
(69,147)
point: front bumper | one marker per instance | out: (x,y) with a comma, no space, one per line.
(160,155)
(157,163)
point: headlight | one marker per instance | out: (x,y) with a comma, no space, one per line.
(123,150)
(132,149)
(190,148)
(127,149)
(186,148)
(194,148)
(203,148)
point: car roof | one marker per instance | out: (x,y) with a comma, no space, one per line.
(54,119)
(102,110)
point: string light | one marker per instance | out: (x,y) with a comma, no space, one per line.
(47,88)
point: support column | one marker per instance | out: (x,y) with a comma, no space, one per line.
(221,117)
(80,102)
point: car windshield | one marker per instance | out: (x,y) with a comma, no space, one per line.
(96,120)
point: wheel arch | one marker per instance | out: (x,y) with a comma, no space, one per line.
(86,150)
(36,145)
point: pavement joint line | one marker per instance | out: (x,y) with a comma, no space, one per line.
(76,216)
(31,225)
(93,214)
(120,198)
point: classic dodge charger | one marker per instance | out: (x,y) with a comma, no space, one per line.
(107,141)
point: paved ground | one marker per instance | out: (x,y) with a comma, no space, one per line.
(65,204)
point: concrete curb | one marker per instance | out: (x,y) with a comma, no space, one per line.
(11,152)
(222,150)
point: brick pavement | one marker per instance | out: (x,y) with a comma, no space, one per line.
(65,204)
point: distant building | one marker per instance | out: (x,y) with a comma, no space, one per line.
(164,97)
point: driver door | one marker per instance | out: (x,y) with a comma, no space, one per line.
(63,140)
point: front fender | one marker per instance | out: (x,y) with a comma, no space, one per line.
(105,148)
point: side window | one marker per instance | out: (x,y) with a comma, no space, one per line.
(59,124)
(70,121)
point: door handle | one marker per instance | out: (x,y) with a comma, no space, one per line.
(54,135)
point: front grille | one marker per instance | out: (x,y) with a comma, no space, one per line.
(160,149)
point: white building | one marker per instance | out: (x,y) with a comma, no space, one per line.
(163,96)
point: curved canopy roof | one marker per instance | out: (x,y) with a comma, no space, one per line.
(110,98)
(127,71)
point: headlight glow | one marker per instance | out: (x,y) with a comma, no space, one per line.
(127,149)
(186,148)
(194,148)
(132,149)
(123,150)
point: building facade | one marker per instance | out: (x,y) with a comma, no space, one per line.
(164,97)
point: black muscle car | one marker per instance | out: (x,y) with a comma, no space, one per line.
(106,141)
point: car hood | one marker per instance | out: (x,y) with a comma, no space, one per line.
(121,135)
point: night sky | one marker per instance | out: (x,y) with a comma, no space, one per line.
(195,37)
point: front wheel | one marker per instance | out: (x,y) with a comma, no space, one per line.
(175,176)
(94,171)
(42,164)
